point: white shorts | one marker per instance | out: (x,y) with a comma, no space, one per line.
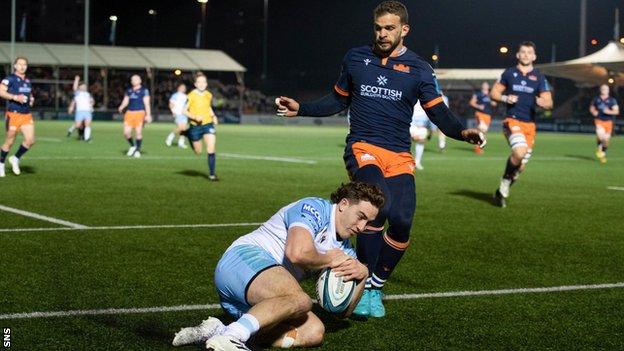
(418,133)
(82,115)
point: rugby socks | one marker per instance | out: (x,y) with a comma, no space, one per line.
(130,141)
(138,144)
(21,151)
(87,133)
(243,328)
(369,245)
(71,129)
(170,137)
(510,170)
(3,155)
(211,163)
(391,253)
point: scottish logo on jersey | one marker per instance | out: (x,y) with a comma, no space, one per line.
(379,91)
(367,61)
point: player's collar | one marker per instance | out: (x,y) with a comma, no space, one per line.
(527,73)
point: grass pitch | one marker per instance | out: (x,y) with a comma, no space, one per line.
(562,227)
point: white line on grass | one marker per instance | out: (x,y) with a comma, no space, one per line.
(157,158)
(30,315)
(122,227)
(54,140)
(615,188)
(43,218)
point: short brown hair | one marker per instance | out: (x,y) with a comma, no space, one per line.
(199,74)
(391,7)
(358,191)
(527,43)
(20,58)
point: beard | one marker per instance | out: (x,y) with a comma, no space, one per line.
(380,50)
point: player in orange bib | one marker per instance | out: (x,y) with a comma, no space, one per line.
(482,104)
(17,90)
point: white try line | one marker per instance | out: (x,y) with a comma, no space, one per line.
(109,311)
(43,218)
(615,188)
(158,158)
(123,227)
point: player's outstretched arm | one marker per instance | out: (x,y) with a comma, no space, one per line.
(450,125)
(328,105)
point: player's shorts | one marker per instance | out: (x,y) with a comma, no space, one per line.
(418,133)
(15,120)
(83,115)
(236,269)
(360,154)
(181,119)
(134,119)
(603,128)
(518,133)
(195,133)
(483,118)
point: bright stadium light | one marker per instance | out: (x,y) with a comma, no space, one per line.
(113,18)
(434,57)
(503,50)
(152,12)
(622,40)
(177,72)
(611,80)
(202,1)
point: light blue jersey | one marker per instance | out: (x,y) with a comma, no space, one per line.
(316,215)
(265,248)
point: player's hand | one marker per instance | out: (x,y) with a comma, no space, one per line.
(512,99)
(543,103)
(21,98)
(148,118)
(337,257)
(120,110)
(474,136)
(351,269)
(286,107)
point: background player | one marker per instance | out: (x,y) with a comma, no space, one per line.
(137,99)
(482,104)
(419,131)
(17,89)
(177,105)
(82,103)
(203,122)
(604,108)
(381,84)
(257,277)
(521,88)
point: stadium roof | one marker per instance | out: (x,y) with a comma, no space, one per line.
(593,69)
(466,78)
(43,54)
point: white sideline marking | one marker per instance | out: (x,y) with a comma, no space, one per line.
(615,188)
(121,227)
(29,315)
(43,218)
(156,158)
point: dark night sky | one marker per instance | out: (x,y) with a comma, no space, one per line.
(307,39)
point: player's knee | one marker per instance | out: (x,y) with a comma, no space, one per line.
(314,335)
(29,142)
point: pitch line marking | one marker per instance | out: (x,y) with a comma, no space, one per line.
(43,218)
(108,311)
(615,188)
(122,227)
(153,158)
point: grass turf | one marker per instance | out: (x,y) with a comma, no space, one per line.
(561,228)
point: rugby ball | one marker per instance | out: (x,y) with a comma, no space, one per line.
(333,293)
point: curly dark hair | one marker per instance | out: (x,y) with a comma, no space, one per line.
(358,191)
(391,7)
